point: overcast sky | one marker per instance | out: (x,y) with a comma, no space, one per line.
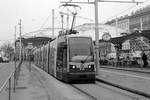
(35,12)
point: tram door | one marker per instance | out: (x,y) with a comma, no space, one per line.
(59,62)
(64,62)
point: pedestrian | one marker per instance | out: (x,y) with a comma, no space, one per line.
(144,58)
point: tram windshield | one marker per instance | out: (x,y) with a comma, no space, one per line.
(80,49)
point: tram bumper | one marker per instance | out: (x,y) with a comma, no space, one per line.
(82,76)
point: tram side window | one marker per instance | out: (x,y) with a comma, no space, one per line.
(60,55)
(65,58)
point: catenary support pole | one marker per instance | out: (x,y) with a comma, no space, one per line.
(20,41)
(53,22)
(96,36)
(15,59)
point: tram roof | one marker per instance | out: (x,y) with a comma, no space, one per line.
(77,35)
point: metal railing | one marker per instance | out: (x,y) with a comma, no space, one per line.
(14,75)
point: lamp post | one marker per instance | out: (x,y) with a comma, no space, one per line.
(20,55)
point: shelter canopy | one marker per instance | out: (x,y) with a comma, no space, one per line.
(120,40)
(36,41)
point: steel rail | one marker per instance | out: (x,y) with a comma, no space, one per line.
(130,70)
(89,95)
(124,88)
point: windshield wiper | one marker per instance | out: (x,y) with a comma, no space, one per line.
(83,61)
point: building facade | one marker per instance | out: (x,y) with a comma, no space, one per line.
(139,20)
(122,22)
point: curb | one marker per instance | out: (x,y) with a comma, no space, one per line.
(133,70)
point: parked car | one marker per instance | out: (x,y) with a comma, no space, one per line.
(1,59)
(5,59)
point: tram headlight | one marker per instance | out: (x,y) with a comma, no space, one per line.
(89,66)
(72,66)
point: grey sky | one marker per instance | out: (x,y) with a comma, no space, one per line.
(34,12)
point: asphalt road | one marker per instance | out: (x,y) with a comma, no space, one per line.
(133,80)
(5,70)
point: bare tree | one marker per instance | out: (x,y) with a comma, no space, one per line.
(8,49)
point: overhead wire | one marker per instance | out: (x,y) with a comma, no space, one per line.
(7,40)
(40,29)
(114,16)
(45,22)
(56,18)
(88,18)
(75,11)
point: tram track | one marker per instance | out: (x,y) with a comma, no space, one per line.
(102,91)
(140,93)
(89,95)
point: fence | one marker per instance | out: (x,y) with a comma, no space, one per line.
(8,85)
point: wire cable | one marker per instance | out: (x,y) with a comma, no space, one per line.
(110,18)
(45,22)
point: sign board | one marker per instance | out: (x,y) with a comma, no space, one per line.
(29,46)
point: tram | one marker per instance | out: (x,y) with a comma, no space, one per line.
(68,58)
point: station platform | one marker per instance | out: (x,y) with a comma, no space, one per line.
(38,85)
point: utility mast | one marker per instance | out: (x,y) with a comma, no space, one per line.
(53,24)
(20,55)
(15,40)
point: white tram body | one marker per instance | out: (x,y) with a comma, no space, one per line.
(68,58)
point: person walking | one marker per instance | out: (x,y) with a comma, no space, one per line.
(144,58)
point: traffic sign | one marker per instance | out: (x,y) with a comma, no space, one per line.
(30,46)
